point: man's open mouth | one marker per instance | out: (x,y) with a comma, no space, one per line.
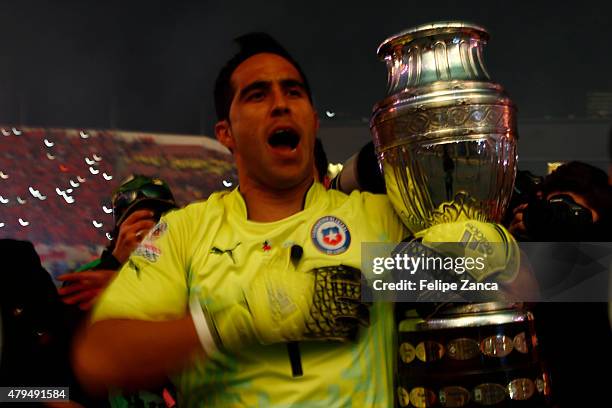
(284,138)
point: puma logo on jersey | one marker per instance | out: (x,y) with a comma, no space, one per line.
(218,251)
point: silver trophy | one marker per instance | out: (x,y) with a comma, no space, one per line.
(445,135)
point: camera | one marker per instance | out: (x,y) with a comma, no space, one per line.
(361,172)
(558,218)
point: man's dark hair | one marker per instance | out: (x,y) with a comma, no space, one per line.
(321,162)
(250,44)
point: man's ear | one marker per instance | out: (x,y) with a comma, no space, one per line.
(223,132)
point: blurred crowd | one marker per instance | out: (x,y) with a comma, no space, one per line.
(62,227)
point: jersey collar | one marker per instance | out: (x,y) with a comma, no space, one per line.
(314,196)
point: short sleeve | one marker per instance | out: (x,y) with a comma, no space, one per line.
(151,285)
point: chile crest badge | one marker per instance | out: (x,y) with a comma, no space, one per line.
(330,235)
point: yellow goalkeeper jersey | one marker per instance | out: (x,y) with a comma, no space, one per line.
(213,244)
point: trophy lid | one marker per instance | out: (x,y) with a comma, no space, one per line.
(429,29)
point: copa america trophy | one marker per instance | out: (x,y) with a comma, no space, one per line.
(445,134)
(445,137)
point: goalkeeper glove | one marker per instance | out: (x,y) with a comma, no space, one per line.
(492,242)
(322,304)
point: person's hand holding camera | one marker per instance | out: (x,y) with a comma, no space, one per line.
(131,233)
(562,216)
(517,225)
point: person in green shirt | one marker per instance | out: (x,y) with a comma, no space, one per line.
(138,203)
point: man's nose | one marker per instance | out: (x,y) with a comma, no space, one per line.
(280,103)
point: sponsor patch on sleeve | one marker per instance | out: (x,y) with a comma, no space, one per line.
(148,251)
(147,248)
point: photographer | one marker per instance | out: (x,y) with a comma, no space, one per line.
(574,203)
(138,203)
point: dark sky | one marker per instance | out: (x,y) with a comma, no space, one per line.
(150,65)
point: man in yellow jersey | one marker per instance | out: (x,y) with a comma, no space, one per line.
(252,298)
(259,262)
